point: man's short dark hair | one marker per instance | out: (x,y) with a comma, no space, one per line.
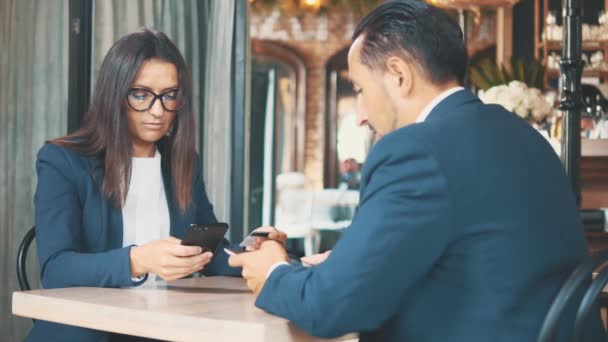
(416,31)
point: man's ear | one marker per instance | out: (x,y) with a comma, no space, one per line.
(400,75)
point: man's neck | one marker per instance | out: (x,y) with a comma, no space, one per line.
(425,95)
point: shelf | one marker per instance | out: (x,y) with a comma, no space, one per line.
(544,47)
(587,45)
(595,148)
(554,73)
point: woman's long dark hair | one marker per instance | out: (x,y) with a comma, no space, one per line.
(105,132)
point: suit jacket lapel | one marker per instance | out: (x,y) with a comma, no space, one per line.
(111,216)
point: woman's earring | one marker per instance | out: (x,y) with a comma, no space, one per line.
(170,131)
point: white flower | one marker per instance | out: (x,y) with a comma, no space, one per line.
(521,110)
(499,95)
(516,97)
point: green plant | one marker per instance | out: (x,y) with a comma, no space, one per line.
(488,73)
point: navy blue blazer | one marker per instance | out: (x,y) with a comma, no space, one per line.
(79,232)
(467,228)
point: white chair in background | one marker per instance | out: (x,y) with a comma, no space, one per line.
(293,214)
(332,210)
(292,180)
(302,213)
(326,206)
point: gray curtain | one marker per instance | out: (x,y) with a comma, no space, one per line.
(33,101)
(217,110)
(33,108)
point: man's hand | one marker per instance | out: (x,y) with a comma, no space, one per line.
(315,259)
(275,235)
(256,264)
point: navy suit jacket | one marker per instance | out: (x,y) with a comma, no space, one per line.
(467,228)
(79,232)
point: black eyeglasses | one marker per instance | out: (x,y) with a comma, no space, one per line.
(141,100)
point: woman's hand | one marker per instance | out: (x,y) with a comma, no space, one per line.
(315,259)
(168,259)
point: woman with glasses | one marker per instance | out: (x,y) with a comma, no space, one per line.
(114,198)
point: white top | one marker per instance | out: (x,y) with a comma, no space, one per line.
(429,107)
(145,214)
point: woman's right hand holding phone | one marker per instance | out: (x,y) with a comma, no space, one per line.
(168,259)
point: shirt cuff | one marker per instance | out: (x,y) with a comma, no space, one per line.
(139,279)
(273,267)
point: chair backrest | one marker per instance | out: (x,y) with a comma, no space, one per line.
(590,299)
(24,285)
(581,276)
(293,213)
(326,201)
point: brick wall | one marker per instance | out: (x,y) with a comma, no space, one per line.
(315,38)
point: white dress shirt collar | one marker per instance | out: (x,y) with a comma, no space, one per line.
(429,107)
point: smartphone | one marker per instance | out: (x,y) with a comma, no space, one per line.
(233,251)
(206,236)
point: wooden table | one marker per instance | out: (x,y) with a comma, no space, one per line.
(201,309)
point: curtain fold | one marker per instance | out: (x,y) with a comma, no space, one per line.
(33,108)
(216,114)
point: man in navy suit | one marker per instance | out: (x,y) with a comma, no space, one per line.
(467,225)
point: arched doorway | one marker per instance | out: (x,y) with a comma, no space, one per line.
(277,123)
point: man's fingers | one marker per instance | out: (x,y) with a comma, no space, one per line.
(258,243)
(236,260)
(278,236)
(274,235)
(245,273)
(270,243)
(251,285)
